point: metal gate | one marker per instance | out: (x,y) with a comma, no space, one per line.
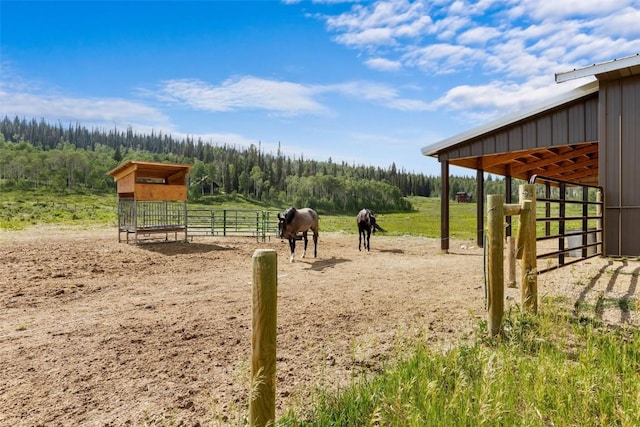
(572,227)
(232,222)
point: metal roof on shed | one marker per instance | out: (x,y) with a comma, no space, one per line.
(149,169)
(575,94)
(611,70)
(558,138)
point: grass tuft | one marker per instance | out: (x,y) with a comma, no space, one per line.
(549,369)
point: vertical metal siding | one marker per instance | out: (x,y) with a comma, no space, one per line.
(591,119)
(576,124)
(630,107)
(560,128)
(610,147)
(543,129)
(529,134)
(502,143)
(515,139)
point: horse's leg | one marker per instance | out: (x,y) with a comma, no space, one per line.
(315,244)
(360,239)
(304,235)
(292,246)
(368,239)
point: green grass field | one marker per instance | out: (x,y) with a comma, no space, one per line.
(19,210)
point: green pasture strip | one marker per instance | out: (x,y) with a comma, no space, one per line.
(23,209)
(424,220)
(552,369)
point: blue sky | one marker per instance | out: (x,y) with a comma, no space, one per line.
(363,82)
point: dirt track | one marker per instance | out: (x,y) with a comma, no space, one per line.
(93,332)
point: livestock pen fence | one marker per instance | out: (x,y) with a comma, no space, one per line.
(147,221)
(232,222)
(572,218)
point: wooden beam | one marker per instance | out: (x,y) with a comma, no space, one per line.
(555,158)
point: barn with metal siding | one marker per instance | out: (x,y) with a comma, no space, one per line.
(588,135)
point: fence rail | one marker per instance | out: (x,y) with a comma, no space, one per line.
(232,222)
(572,218)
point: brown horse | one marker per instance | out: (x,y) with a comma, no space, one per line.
(367,224)
(302,220)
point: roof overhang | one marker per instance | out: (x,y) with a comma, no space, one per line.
(149,170)
(565,98)
(615,69)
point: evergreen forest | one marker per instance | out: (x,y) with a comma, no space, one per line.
(35,154)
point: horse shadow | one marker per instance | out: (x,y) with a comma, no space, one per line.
(182,248)
(390,251)
(325,263)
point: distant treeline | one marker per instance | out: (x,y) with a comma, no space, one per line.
(35,153)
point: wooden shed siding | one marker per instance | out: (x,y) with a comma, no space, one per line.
(149,192)
(126,184)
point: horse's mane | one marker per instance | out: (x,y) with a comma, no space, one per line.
(289,214)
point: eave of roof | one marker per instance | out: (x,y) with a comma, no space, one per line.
(567,97)
(149,169)
(627,66)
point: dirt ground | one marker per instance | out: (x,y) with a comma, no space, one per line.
(96,332)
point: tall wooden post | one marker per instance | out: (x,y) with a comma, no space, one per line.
(444,206)
(511,261)
(526,247)
(262,401)
(480,207)
(495,249)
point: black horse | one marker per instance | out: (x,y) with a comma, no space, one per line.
(295,220)
(367,224)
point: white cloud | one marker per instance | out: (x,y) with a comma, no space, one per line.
(279,97)
(242,93)
(100,110)
(478,35)
(518,43)
(626,22)
(558,10)
(380,23)
(383,64)
(442,58)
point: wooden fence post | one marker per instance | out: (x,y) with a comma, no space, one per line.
(262,396)
(495,249)
(511,261)
(526,247)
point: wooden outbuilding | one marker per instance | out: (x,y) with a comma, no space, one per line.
(152,200)
(589,135)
